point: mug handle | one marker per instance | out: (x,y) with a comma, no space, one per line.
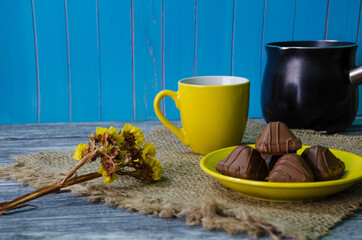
(179,132)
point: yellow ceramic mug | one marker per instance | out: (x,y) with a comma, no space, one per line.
(214,111)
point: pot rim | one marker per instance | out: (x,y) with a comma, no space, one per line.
(311,44)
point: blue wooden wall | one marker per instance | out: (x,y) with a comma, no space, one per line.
(105,60)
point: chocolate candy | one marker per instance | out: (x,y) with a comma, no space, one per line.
(270,160)
(324,164)
(291,168)
(244,162)
(277,139)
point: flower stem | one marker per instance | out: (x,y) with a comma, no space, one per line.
(56,187)
(83,161)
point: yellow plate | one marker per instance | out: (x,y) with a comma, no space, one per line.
(286,192)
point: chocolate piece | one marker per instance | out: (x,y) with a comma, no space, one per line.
(323,163)
(291,168)
(270,160)
(277,139)
(244,162)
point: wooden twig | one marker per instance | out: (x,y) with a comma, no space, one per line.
(16,203)
(81,162)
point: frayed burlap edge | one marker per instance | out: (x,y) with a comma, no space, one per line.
(209,214)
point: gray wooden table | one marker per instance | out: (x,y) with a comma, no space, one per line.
(68,216)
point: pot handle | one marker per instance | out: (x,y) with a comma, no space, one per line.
(355,75)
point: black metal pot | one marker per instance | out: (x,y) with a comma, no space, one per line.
(311,84)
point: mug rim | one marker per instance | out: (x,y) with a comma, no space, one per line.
(239,81)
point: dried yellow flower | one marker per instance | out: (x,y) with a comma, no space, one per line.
(107,179)
(78,155)
(133,137)
(149,150)
(101,131)
(155,166)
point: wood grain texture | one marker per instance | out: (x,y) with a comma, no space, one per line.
(248,45)
(279,16)
(115,60)
(68,216)
(214,37)
(73,57)
(179,47)
(18,91)
(359,58)
(343,24)
(278,20)
(84,60)
(343,19)
(278,23)
(147,56)
(310,19)
(52,60)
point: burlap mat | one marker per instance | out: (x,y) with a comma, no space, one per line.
(186,191)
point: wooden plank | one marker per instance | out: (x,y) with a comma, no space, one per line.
(359,59)
(84,60)
(68,216)
(214,37)
(115,60)
(179,53)
(52,59)
(343,24)
(248,46)
(59,130)
(147,56)
(278,22)
(310,19)
(18,92)
(359,111)
(343,19)
(54,136)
